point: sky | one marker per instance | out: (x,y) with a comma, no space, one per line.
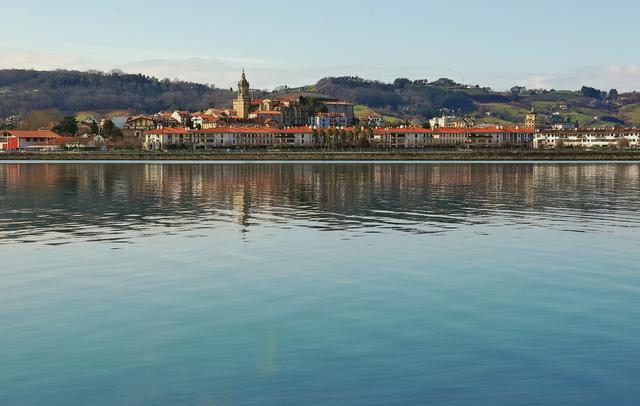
(561,44)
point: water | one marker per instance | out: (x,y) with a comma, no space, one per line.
(319,284)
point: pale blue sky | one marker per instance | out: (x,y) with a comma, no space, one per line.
(497,43)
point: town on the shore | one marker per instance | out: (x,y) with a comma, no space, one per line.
(298,121)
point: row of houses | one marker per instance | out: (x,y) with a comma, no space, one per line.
(219,137)
(418,137)
(398,137)
(308,137)
(587,138)
(394,137)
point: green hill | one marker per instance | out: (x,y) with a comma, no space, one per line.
(72,92)
(88,93)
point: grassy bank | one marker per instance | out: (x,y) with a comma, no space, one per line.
(488,155)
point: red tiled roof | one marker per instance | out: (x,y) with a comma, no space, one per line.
(33,134)
(454,130)
(168,130)
(209,117)
(505,129)
(405,130)
(236,130)
(275,113)
(296,130)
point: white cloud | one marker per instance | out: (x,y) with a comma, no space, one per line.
(623,78)
(223,71)
(11,58)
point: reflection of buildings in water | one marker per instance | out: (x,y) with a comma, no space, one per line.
(242,207)
(342,195)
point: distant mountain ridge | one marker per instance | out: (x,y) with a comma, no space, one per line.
(22,91)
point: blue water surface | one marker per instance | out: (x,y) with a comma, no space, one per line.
(319,284)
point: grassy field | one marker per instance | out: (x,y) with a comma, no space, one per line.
(391,119)
(495,121)
(545,106)
(503,112)
(631,114)
(362,111)
(83,115)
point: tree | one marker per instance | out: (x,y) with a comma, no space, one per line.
(613,94)
(623,143)
(445,82)
(38,119)
(592,92)
(67,126)
(94,128)
(109,130)
(401,83)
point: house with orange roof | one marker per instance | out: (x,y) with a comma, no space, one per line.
(181,116)
(204,121)
(500,136)
(402,137)
(228,137)
(273,115)
(298,137)
(12,140)
(487,137)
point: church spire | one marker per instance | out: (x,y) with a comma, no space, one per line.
(242,104)
(243,87)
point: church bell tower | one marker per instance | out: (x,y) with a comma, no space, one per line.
(242,103)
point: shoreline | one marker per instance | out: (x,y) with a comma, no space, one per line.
(329,156)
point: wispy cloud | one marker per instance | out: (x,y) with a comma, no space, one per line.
(623,78)
(223,71)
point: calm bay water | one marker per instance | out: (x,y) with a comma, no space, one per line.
(319,284)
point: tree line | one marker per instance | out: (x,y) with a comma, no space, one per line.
(23,91)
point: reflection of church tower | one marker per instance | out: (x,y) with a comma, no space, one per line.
(242,207)
(243,103)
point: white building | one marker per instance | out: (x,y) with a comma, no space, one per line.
(564,126)
(442,122)
(19,140)
(587,138)
(403,137)
(328,120)
(227,137)
(375,120)
(182,117)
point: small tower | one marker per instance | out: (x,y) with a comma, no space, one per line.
(531,120)
(242,103)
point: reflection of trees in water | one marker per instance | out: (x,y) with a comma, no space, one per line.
(412,197)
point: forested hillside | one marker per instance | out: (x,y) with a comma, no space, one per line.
(420,99)
(22,91)
(72,92)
